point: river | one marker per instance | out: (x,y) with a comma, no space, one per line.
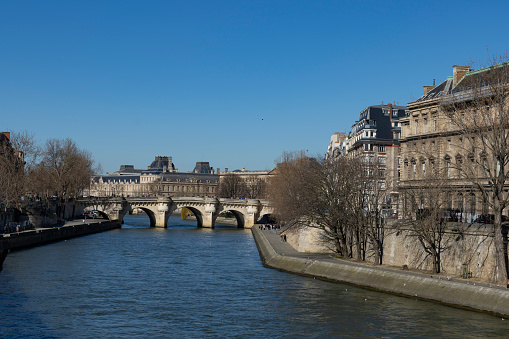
(186,282)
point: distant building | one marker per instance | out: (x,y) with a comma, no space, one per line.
(160,178)
(337,146)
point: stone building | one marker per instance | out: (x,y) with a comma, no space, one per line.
(337,146)
(434,143)
(375,139)
(160,178)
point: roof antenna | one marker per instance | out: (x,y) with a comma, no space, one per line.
(433,82)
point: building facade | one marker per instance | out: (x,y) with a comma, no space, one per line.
(436,142)
(160,178)
(374,138)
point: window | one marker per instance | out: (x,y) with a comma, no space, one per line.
(371,159)
(425,125)
(423,169)
(381,148)
(381,185)
(399,161)
(434,123)
(381,160)
(381,173)
(449,144)
(416,126)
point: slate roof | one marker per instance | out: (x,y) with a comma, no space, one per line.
(437,91)
(383,126)
(202,167)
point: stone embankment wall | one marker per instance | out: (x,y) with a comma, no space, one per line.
(486,298)
(47,235)
(467,247)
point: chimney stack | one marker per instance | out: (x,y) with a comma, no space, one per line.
(458,72)
(427,89)
(226,170)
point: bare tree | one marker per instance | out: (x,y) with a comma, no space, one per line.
(17,158)
(368,202)
(65,170)
(255,187)
(232,186)
(428,206)
(478,109)
(322,194)
(289,188)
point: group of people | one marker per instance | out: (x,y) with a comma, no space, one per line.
(269,226)
(272,227)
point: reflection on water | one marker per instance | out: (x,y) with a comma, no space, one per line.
(189,282)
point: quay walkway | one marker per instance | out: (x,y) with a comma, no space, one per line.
(452,291)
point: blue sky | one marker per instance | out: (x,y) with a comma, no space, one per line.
(230,82)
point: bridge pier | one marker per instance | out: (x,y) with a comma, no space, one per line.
(209,217)
(162,214)
(252,213)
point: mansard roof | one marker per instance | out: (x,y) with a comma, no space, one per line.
(437,91)
(473,79)
(383,122)
(202,167)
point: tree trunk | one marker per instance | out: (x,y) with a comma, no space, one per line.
(500,250)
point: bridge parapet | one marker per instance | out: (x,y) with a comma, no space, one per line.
(159,209)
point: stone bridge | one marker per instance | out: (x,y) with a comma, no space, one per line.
(159,209)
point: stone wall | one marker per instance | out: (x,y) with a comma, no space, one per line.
(488,298)
(42,236)
(466,247)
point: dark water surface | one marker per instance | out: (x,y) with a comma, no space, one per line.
(185,282)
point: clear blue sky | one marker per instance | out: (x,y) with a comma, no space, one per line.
(230,82)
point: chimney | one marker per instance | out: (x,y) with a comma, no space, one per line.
(226,170)
(427,89)
(243,169)
(7,135)
(458,72)
(217,171)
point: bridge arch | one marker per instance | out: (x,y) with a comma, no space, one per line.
(103,214)
(150,214)
(196,212)
(239,216)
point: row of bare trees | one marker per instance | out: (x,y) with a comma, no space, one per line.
(340,197)
(58,170)
(235,186)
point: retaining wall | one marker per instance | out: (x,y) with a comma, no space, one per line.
(491,299)
(47,235)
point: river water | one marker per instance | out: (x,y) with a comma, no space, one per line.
(186,282)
